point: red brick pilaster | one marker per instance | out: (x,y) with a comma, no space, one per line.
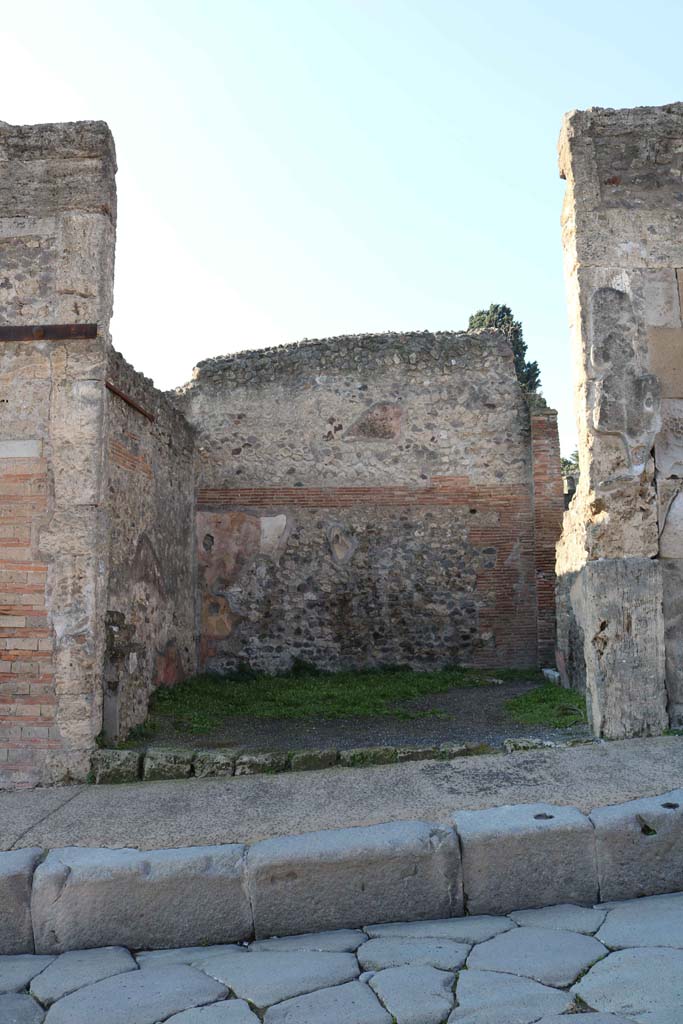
(548,512)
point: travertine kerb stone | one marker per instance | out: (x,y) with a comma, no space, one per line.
(16,873)
(343,878)
(157,899)
(618,605)
(639,846)
(527,855)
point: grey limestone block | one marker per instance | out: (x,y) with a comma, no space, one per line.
(639,846)
(526,855)
(115,766)
(343,878)
(155,899)
(16,874)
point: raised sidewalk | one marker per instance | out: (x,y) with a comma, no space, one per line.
(198,812)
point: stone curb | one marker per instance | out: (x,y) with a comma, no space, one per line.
(486,862)
(109,766)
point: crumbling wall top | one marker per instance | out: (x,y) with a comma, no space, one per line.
(488,350)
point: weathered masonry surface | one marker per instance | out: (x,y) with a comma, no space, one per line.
(374,500)
(369,500)
(620,561)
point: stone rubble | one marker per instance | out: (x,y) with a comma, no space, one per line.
(532,967)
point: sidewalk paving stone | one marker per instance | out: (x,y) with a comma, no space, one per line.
(267,978)
(378,954)
(353,1003)
(549,957)
(415,994)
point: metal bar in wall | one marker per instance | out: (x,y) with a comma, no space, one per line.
(48,332)
(128,400)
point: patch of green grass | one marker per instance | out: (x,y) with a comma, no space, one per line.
(204,702)
(549,705)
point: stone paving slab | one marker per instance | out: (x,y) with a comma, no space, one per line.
(486,997)
(343,940)
(516,973)
(17,971)
(460,929)
(75,970)
(652,921)
(446,955)
(209,811)
(230,1011)
(415,994)
(353,1004)
(139,997)
(633,981)
(549,957)
(16,1008)
(266,978)
(564,917)
(184,955)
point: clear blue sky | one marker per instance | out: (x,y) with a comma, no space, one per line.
(302,168)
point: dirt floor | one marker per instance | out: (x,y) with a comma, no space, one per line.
(474,715)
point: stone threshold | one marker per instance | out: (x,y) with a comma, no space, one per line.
(111,765)
(491,861)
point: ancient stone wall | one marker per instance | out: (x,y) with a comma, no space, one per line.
(57,223)
(620,631)
(96,499)
(150,621)
(368,500)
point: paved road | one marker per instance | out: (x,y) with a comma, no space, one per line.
(624,961)
(197,812)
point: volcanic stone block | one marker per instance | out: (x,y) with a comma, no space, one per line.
(160,898)
(639,846)
(16,872)
(343,878)
(115,766)
(528,855)
(167,764)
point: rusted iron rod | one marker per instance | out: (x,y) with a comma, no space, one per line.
(48,332)
(129,401)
